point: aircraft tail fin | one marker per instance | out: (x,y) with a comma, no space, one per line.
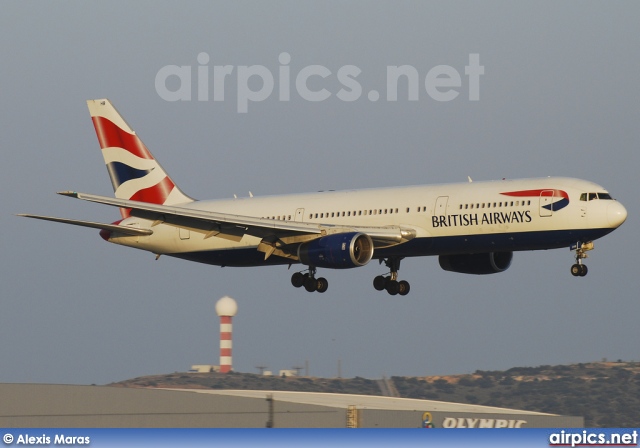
(135,174)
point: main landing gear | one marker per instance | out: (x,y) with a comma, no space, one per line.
(579,269)
(391,283)
(309,281)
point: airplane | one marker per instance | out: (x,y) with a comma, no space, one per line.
(473,227)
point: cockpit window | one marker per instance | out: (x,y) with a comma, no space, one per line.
(594,196)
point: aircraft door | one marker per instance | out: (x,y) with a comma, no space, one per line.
(546,198)
(441,206)
(299,215)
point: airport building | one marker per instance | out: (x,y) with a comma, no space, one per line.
(58,406)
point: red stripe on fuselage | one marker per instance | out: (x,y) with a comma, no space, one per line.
(556,193)
(110,135)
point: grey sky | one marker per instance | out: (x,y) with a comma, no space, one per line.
(559,96)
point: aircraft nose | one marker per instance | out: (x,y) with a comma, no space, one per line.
(616,214)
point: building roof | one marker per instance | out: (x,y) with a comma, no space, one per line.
(362,401)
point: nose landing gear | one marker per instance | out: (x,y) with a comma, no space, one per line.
(391,283)
(579,269)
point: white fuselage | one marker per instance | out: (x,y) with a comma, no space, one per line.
(470,217)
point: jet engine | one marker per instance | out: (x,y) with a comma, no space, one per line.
(480,264)
(338,251)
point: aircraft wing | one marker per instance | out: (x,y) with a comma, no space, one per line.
(234,227)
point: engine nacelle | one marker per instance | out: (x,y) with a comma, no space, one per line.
(480,264)
(338,251)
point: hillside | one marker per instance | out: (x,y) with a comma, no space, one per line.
(605,394)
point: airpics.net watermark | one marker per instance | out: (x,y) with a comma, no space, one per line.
(255,83)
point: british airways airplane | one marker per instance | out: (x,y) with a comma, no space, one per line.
(473,227)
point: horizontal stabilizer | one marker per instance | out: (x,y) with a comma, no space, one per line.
(95,225)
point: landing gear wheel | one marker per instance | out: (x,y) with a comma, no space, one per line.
(403,287)
(310,283)
(322,284)
(379,283)
(393,287)
(579,270)
(576,269)
(297,279)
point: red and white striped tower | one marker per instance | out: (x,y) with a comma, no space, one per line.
(226,308)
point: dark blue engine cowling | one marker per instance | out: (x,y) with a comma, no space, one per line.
(339,251)
(480,264)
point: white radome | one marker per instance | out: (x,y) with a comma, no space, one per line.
(226,306)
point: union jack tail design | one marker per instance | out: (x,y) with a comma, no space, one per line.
(134,172)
